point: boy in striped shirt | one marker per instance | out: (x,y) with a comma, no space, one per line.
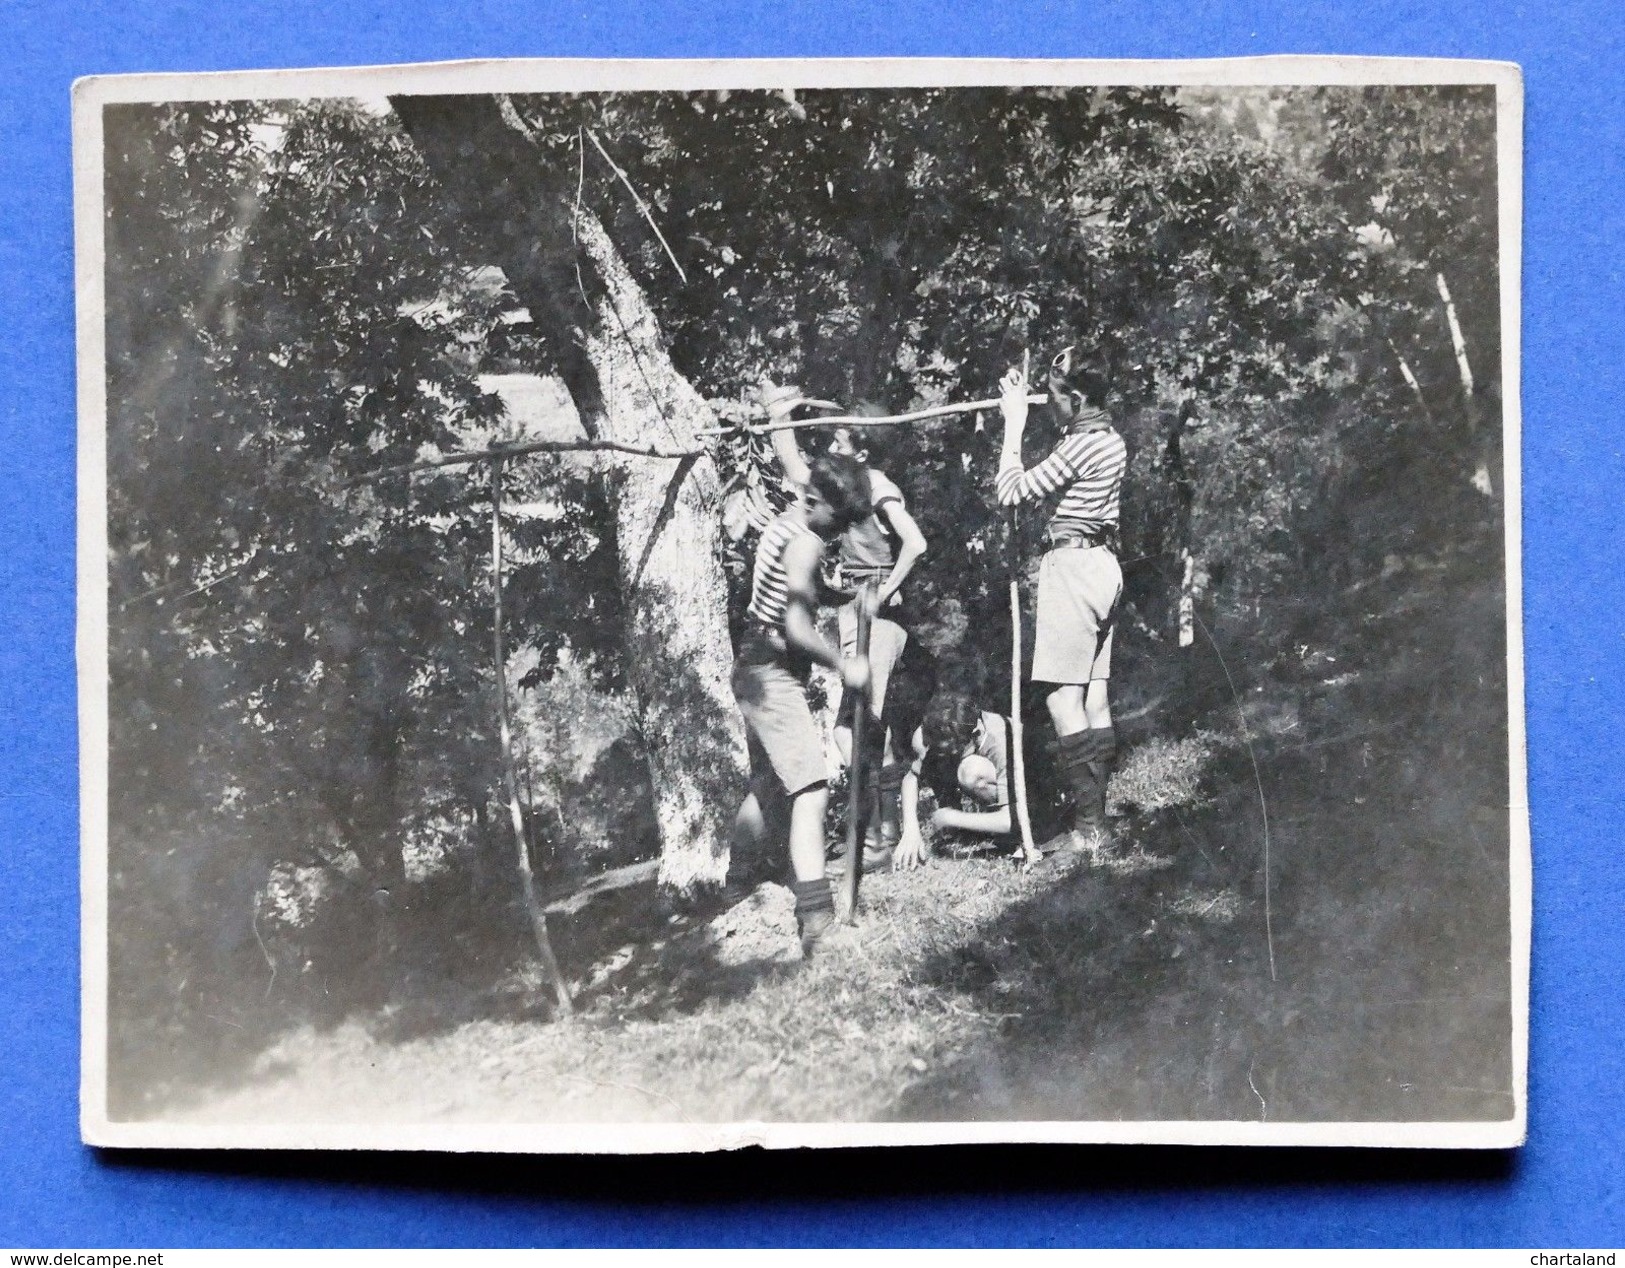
(878,551)
(789,790)
(1079,579)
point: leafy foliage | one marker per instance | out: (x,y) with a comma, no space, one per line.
(299,662)
(907,246)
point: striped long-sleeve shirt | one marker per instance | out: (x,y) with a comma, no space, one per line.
(770,585)
(1088,463)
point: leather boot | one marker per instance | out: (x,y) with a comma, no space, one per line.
(815,911)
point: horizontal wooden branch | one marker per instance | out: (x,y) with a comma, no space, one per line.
(571,901)
(855,420)
(496,452)
(647,451)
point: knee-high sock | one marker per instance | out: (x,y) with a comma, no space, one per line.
(1075,759)
(1105,748)
(868,765)
(813,896)
(889,792)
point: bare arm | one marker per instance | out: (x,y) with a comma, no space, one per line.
(910,843)
(800,561)
(788,453)
(993,822)
(910,547)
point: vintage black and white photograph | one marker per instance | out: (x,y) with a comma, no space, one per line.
(671,606)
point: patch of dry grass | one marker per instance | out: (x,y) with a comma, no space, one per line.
(705,1022)
(1162,772)
(1222,906)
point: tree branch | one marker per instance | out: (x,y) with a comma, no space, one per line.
(498,452)
(854,420)
(638,199)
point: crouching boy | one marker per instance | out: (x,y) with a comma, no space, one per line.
(789,781)
(975,745)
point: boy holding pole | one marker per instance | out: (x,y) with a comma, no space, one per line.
(789,783)
(877,552)
(1079,578)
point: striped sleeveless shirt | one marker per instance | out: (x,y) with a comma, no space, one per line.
(1088,463)
(770,587)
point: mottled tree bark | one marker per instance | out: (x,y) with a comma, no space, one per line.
(677,644)
(610,352)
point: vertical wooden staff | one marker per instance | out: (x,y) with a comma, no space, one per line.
(1018,773)
(538,918)
(856,815)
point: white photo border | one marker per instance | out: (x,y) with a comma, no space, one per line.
(90,95)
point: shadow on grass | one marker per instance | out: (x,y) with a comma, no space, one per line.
(636,953)
(455,946)
(1369,983)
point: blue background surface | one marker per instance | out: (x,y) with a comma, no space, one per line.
(1563,1189)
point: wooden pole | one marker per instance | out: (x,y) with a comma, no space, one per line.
(499,452)
(1018,774)
(538,917)
(855,420)
(859,804)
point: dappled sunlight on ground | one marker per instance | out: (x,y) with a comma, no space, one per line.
(718,1018)
(1162,772)
(1160,981)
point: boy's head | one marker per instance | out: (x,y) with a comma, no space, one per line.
(837,493)
(1078,381)
(979,777)
(863,443)
(950,725)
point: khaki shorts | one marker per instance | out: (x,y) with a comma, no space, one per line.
(887,639)
(784,740)
(1078,590)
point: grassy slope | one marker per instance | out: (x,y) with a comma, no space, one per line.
(1137,991)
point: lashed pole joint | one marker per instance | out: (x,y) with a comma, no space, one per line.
(496,453)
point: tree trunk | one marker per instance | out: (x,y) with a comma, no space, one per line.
(1458,343)
(677,645)
(1184,487)
(1187,599)
(608,346)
